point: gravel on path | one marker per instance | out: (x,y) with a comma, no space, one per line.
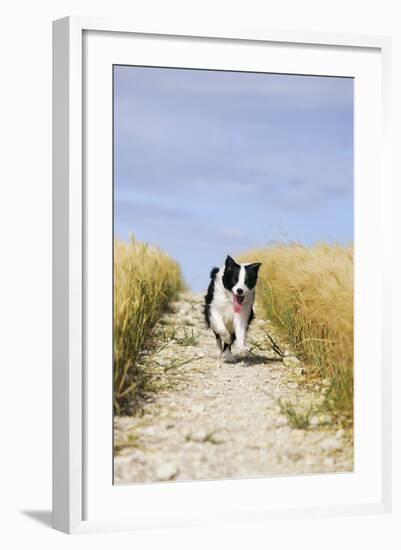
(211,419)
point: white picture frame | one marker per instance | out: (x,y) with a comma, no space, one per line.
(70,259)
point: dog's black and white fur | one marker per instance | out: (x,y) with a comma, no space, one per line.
(229,303)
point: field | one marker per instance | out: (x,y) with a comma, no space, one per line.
(308,294)
(284,407)
(145,281)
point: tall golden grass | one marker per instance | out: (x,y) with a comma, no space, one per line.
(145,281)
(307,292)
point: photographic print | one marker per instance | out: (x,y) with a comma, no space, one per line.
(233,274)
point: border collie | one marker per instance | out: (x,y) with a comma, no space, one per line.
(229,303)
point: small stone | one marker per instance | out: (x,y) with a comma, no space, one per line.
(331,444)
(148,430)
(198,436)
(121,461)
(299,371)
(326,382)
(281,420)
(291,361)
(313,421)
(166,472)
(198,408)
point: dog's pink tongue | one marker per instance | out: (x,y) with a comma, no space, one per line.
(237,305)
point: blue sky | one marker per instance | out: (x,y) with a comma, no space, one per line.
(210,163)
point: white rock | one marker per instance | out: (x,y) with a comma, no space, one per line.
(291,361)
(123,460)
(281,420)
(313,421)
(198,408)
(148,430)
(331,444)
(199,436)
(166,471)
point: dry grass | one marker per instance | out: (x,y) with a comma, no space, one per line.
(145,281)
(308,294)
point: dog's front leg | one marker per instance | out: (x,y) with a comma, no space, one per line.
(217,324)
(240,327)
(223,337)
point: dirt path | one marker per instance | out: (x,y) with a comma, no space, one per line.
(211,419)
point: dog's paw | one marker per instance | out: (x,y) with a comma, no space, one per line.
(227,356)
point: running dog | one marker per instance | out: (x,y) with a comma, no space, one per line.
(228,307)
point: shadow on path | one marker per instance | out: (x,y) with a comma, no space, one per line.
(252,359)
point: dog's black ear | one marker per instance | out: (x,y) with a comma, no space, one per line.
(254,267)
(230,262)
